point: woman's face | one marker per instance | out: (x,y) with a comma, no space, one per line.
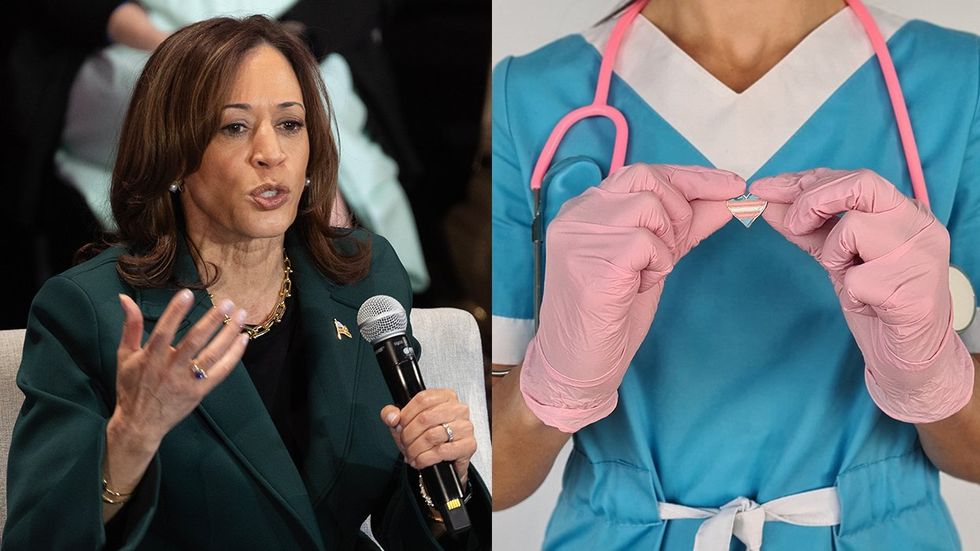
(254,169)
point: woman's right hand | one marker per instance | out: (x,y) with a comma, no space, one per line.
(608,252)
(155,384)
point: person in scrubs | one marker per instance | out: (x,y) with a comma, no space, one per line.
(797,378)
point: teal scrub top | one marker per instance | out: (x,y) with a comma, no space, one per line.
(749,382)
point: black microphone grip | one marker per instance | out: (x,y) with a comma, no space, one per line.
(404,382)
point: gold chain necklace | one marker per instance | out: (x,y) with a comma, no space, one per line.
(256,331)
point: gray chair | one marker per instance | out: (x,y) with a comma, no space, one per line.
(451,358)
(11,344)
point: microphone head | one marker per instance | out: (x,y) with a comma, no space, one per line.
(381,317)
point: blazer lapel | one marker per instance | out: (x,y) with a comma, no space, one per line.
(335,350)
(236,412)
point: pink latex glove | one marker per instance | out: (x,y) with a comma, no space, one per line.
(888,259)
(608,252)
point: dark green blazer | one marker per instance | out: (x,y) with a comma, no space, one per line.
(222,478)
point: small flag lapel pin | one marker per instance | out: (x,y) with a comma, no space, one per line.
(342,330)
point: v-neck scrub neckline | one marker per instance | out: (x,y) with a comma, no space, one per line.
(741,131)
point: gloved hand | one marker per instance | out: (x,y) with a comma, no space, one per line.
(608,252)
(888,259)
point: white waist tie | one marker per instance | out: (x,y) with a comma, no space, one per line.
(744,518)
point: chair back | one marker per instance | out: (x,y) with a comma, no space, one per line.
(11,398)
(452,357)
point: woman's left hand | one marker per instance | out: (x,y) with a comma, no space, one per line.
(419,430)
(888,259)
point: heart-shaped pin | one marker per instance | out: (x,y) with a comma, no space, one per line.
(746,208)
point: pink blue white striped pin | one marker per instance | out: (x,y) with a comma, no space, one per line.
(746,208)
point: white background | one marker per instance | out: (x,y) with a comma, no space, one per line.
(522,527)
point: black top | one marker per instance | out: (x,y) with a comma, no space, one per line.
(276,363)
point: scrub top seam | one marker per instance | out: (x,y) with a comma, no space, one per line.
(926,500)
(860,466)
(619,462)
(506,78)
(582,504)
(976,104)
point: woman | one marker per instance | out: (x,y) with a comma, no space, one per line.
(223,190)
(104,85)
(716,383)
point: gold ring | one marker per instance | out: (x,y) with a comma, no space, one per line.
(199,373)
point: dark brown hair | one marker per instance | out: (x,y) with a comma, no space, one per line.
(174,112)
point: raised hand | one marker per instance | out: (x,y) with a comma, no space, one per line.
(156,383)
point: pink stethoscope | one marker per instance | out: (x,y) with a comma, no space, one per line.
(962,291)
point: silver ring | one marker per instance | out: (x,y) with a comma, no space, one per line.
(199,373)
(449,432)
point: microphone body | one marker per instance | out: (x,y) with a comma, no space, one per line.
(401,373)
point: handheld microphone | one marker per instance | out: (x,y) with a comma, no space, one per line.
(383,323)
